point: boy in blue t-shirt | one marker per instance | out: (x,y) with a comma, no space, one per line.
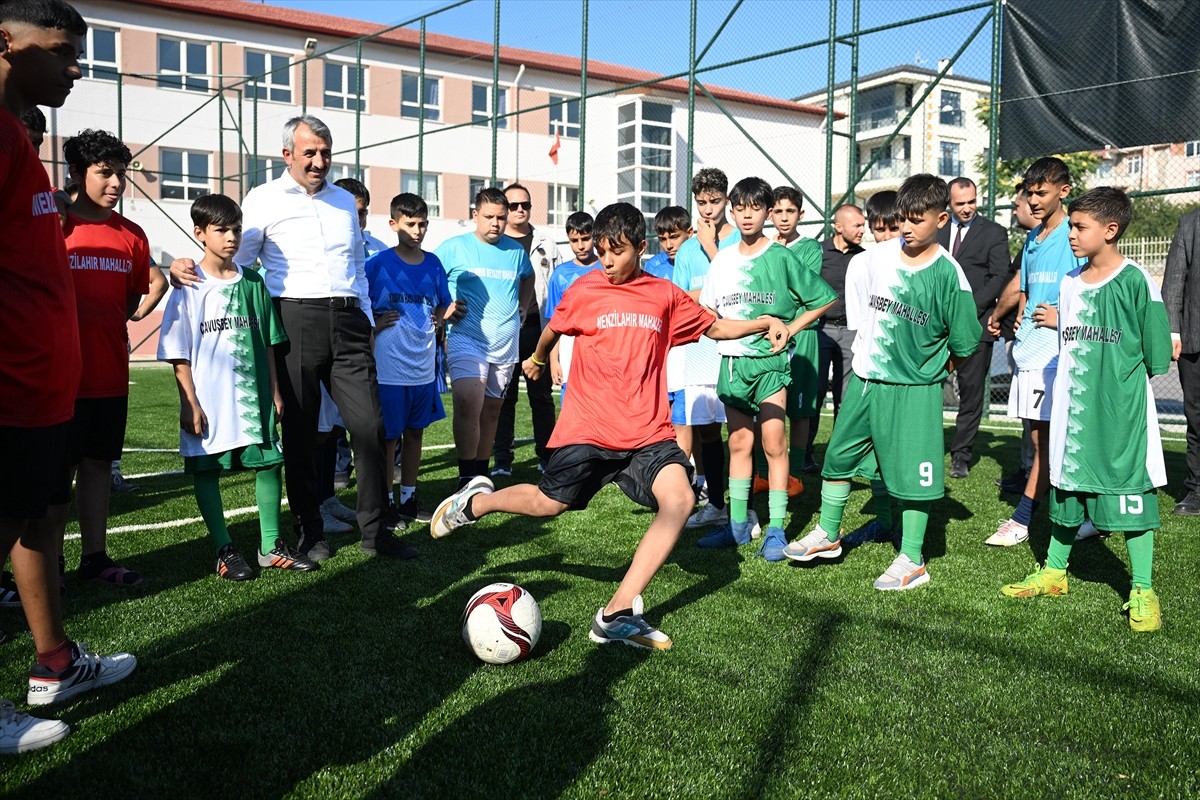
(410,296)
(579,234)
(673,225)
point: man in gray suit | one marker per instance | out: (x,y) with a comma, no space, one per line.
(1181,295)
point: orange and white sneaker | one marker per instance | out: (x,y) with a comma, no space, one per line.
(760,485)
(1008,534)
(284,557)
(902,574)
(814,545)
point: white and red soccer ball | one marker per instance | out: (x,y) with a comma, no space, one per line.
(501,623)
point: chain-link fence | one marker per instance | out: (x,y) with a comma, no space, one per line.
(841,99)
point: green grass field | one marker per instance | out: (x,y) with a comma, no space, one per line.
(784,681)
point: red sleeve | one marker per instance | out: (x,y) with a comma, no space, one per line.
(689,320)
(139,276)
(564,320)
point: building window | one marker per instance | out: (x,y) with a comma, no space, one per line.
(564,117)
(481,105)
(1105,169)
(430,191)
(475,185)
(950,165)
(344,86)
(645,158)
(1192,148)
(270,76)
(184,174)
(561,202)
(1193,177)
(338,172)
(100,55)
(1133,164)
(182,65)
(413,106)
(951,109)
(262,170)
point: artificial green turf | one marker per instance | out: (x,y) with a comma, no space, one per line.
(785,680)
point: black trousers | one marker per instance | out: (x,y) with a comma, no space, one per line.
(833,353)
(972,381)
(1189,381)
(331,347)
(541,402)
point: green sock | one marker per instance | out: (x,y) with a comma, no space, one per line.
(268,490)
(1140,545)
(883,504)
(739,498)
(914,521)
(208,498)
(833,505)
(777,502)
(1061,539)
(796,462)
(760,461)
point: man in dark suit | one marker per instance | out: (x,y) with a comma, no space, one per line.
(981,248)
(1181,296)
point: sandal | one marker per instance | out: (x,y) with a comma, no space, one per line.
(104,570)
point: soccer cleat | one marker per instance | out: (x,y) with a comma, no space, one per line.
(122,486)
(231,566)
(1010,533)
(1043,580)
(331,525)
(760,485)
(773,542)
(732,533)
(1087,530)
(707,516)
(815,545)
(9,597)
(1145,613)
(284,557)
(873,533)
(410,511)
(87,671)
(451,513)
(501,472)
(902,574)
(631,630)
(21,733)
(338,510)
(312,546)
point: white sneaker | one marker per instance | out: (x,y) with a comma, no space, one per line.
(902,574)
(501,472)
(88,670)
(814,545)
(1009,534)
(633,630)
(338,510)
(451,513)
(708,516)
(332,524)
(20,733)
(1087,530)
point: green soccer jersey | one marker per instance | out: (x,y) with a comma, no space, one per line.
(771,281)
(914,319)
(1103,425)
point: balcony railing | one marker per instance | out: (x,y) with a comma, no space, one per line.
(880,118)
(899,168)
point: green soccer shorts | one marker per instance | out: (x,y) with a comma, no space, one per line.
(1108,512)
(747,381)
(802,393)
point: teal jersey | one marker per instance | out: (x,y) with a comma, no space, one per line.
(768,282)
(1044,264)
(1103,425)
(915,317)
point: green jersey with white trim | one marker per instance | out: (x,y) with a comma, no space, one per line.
(1113,336)
(771,281)
(914,317)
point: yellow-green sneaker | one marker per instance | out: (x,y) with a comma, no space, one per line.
(1145,614)
(1044,580)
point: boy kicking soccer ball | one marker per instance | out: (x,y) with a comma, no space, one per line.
(1105,454)
(623,322)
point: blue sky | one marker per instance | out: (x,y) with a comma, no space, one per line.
(653,34)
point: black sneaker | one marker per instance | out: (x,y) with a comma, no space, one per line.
(8,592)
(411,511)
(284,557)
(313,546)
(1014,483)
(388,546)
(231,566)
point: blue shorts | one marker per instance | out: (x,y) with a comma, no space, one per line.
(413,407)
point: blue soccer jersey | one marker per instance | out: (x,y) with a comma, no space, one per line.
(561,279)
(1044,264)
(488,277)
(404,352)
(659,266)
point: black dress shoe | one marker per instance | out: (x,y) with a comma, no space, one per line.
(1015,483)
(1189,506)
(959,467)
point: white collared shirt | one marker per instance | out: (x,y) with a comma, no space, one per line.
(309,245)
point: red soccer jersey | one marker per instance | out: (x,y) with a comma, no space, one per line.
(39,361)
(618,390)
(110,262)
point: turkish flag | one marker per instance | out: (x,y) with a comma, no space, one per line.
(554,149)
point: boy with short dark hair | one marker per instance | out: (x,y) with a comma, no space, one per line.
(673,227)
(1114,335)
(623,321)
(579,234)
(758,278)
(110,266)
(1046,259)
(921,322)
(220,337)
(411,299)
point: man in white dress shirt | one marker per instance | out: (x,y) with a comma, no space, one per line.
(305,232)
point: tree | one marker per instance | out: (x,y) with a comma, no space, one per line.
(1156,217)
